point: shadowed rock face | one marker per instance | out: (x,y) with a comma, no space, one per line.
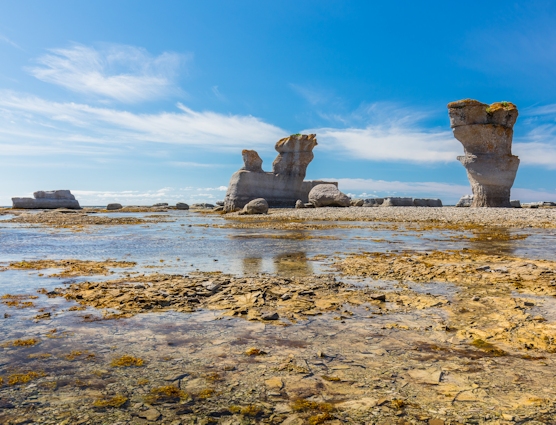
(284,185)
(486,135)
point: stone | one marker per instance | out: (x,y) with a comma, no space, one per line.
(309,205)
(357,202)
(436,422)
(218,208)
(150,415)
(112,207)
(328,195)
(281,187)
(51,199)
(270,316)
(373,202)
(161,204)
(515,203)
(299,204)
(202,206)
(426,202)
(397,202)
(220,203)
(274,383)
(486,133)
(256,206)
(182,206)
(465,201)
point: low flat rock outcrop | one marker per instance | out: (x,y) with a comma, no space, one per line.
(328,195)
(51,199)
(427,202)
(281,187)
(397,202)
(373,202)
(256,206)
(486,133)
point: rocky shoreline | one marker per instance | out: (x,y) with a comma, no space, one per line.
(438,217)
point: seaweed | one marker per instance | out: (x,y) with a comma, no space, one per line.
(488,348)
(117,401)
(25,342)
(165,394)
(127,361)
(23,378)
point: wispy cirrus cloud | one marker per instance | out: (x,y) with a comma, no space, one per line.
(72,126)
(6,40)
(125,73)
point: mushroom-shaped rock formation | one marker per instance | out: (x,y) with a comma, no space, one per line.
(284,185)
(486,135)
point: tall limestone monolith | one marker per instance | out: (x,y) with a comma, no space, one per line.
(486,132)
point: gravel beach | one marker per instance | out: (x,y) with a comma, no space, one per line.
(505,217)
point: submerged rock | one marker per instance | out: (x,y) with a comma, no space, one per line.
(281,187)
(486,133)
(47,200)
(328,195)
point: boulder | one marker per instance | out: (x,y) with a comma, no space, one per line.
(220,203)
(299,204)
(112,207)
(515,203)
(397,202)
(356,202)
(202,206)
(281,187)
(427,202)
(486,133)
(256,206)
(465,201)
(328,195)
(51,199)
(373,202)
(182,206)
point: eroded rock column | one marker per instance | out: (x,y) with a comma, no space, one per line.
(486,133)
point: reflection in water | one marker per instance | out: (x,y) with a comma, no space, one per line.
(252,265)
(293,263)
(497,240)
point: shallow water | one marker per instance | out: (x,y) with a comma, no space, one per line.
(362,347)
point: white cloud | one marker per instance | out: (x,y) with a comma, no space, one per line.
(390,143)
(125,73)
(449,193)
(34,121)
(148,197)
(372,187)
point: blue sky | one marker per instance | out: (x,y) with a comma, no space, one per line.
(144,102)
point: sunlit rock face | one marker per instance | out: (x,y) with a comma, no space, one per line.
(486,133)
(281,187)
